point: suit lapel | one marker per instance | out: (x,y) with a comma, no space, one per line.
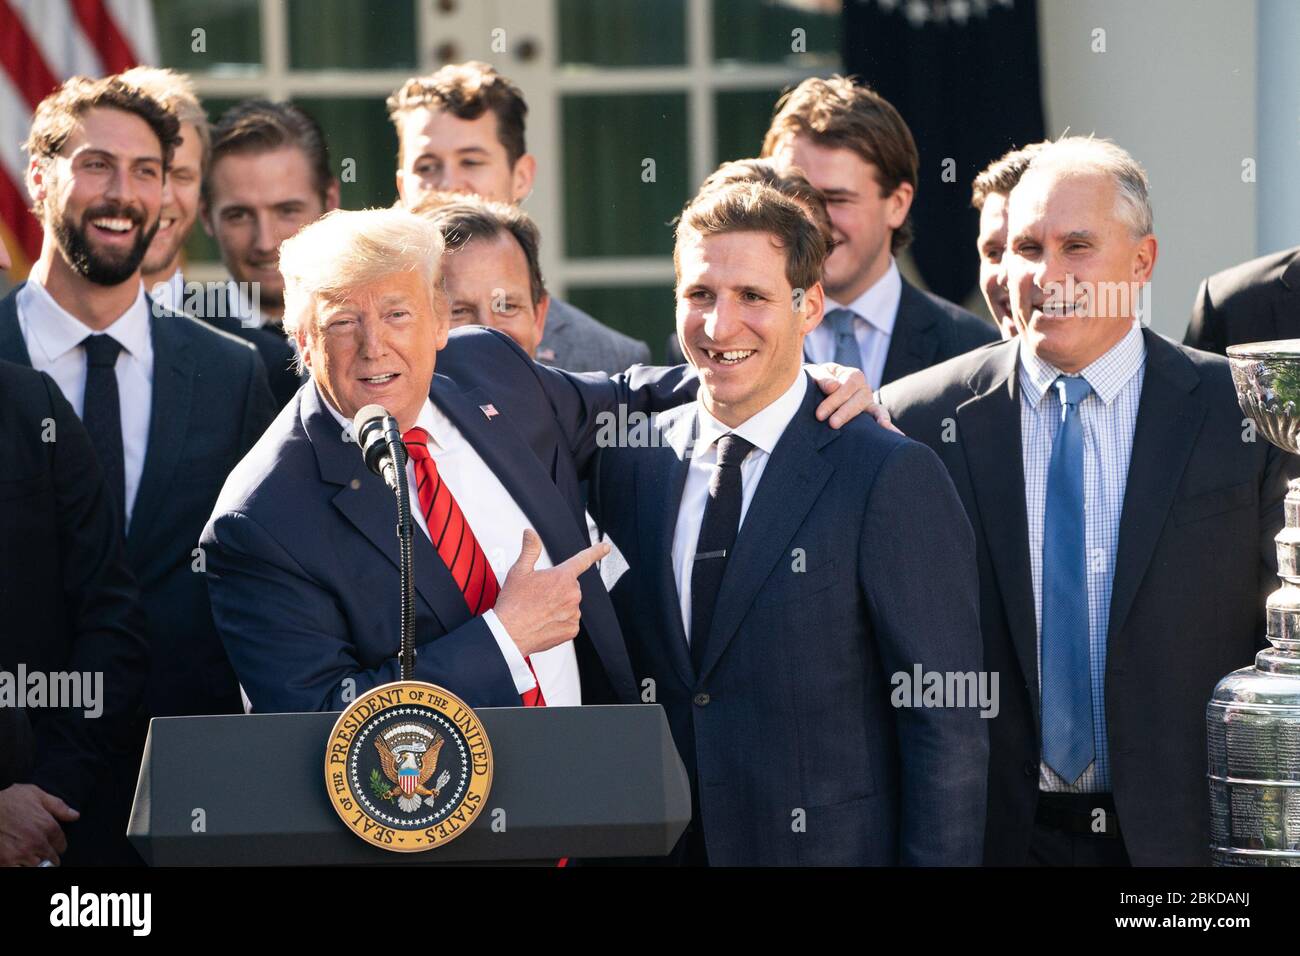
(370,506)
(514,463)
(12,347)
(169,416)
(791,483)
(660,478)
(1168,421)
(990,441)
(914,342)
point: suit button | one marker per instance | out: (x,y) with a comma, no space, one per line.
(701,700)
(1031,768)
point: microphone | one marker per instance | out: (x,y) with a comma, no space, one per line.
(377,434)
(381,446)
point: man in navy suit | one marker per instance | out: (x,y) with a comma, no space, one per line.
(302,555)
(789,582)
(170,405)
(852,145)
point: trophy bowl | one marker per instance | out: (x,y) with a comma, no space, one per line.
(1267,378)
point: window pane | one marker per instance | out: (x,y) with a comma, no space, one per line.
(346,35)
(363,148)
(742,118)
(643,312)
(230,41)
(747,31)
(624,173)
(622,32)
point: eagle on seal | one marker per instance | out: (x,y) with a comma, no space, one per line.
(409,772)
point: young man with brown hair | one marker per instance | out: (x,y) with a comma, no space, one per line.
(854,147)
(781,571)
(461,129)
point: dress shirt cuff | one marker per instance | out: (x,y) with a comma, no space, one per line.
(520,672)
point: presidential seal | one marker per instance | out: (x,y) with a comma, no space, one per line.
(408,766)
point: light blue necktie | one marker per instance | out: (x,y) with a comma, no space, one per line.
(846,345)
(1067,684)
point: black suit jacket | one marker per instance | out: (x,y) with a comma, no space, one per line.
(277,354)
(70,603)
(1195,562)
(211,403)
(1256,301)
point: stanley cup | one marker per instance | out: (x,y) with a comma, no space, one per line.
(1253,719)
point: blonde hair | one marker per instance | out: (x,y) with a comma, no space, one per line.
(345,249)
(176,93)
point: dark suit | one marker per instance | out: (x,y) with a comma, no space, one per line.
(1256,301)
(929,330)
(70,604)
(790,713)
(1195,561)
(302,553)
(276,353)
(210,404)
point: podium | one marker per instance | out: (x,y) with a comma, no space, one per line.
(249,790)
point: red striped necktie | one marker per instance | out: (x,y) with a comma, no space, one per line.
(454,540)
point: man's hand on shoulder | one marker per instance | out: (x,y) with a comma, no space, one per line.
(847,395)
(30,831)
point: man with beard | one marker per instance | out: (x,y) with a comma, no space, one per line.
(170,404)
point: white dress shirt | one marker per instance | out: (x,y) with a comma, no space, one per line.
(873,326)
(54,335)
(763,430)
(498,523)
(1108,416)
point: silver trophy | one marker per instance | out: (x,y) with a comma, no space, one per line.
(1253,719)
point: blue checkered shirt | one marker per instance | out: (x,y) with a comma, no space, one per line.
(1108,416)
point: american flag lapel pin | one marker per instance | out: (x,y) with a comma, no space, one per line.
(489,411)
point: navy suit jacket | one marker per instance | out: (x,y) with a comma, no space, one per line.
(302,549)
(211,401)
(855,562)
(1194,563)
(929,330)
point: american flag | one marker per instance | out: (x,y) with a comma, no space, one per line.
(42,43)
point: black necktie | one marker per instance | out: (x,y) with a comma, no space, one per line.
(717,538)
(101,413)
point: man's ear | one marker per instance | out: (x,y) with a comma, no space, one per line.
(401,189)
(332,195)
(900,203)
(814,303)
(1144,262)
(37,181)
(521,177)
(205,217)
(300,339)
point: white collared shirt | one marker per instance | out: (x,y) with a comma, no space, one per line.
(498,523)
(763,430)
(875,312)
(54,336)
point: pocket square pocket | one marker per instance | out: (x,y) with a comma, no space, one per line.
(786,584)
